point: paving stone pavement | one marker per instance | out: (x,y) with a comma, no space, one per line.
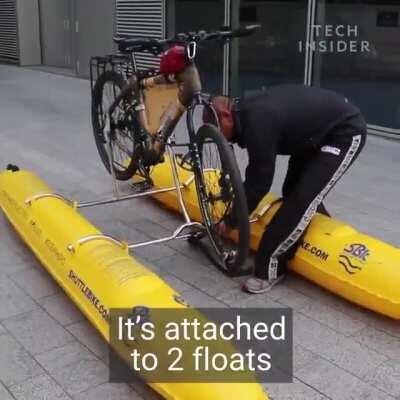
(48,351)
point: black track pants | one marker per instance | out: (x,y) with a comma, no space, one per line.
(308,181)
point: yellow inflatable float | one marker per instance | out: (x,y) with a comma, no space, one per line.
(359,268)
(95,271)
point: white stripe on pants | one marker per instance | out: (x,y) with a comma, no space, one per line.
(312,209)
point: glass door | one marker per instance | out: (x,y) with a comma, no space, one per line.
(357,53)
(276,54)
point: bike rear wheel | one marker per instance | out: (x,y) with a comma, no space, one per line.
(221,193)
(122,129)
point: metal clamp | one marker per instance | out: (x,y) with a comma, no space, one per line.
(176,235)
(72,248)
(36,197)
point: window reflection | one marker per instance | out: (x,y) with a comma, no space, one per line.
(370,78)
(192,15)
(272,55)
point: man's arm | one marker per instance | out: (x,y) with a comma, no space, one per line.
(259,176)
(261,128)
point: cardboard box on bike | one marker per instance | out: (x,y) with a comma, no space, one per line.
(157,99)
(53,228)
(357,267)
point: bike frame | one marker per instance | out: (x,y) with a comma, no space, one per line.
(188,99)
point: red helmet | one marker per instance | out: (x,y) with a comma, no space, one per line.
(174,60)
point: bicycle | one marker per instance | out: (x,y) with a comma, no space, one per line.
(127,146)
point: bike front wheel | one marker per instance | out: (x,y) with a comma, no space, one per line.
(221,194)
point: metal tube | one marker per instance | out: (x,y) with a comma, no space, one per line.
(174,236)
(158,241)
(71,248)
(191,84)
(111,160)
(125,198)
(29,200)
(178,184)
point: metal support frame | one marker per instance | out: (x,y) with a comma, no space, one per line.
(181,232)
(178,184)
(111,160)
(177,235)
(72,247)
(30,200)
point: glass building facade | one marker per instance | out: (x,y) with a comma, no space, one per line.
(352,47)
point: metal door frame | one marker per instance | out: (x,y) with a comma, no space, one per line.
(227,51)
(309,52)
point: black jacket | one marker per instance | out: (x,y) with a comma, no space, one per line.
(286,120)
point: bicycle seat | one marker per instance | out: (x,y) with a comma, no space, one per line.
(130,44)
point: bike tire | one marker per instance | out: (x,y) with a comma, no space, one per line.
(231,177)
(126,171)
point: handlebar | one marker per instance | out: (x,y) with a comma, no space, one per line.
(217,35)
(246,30)
(157,46)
